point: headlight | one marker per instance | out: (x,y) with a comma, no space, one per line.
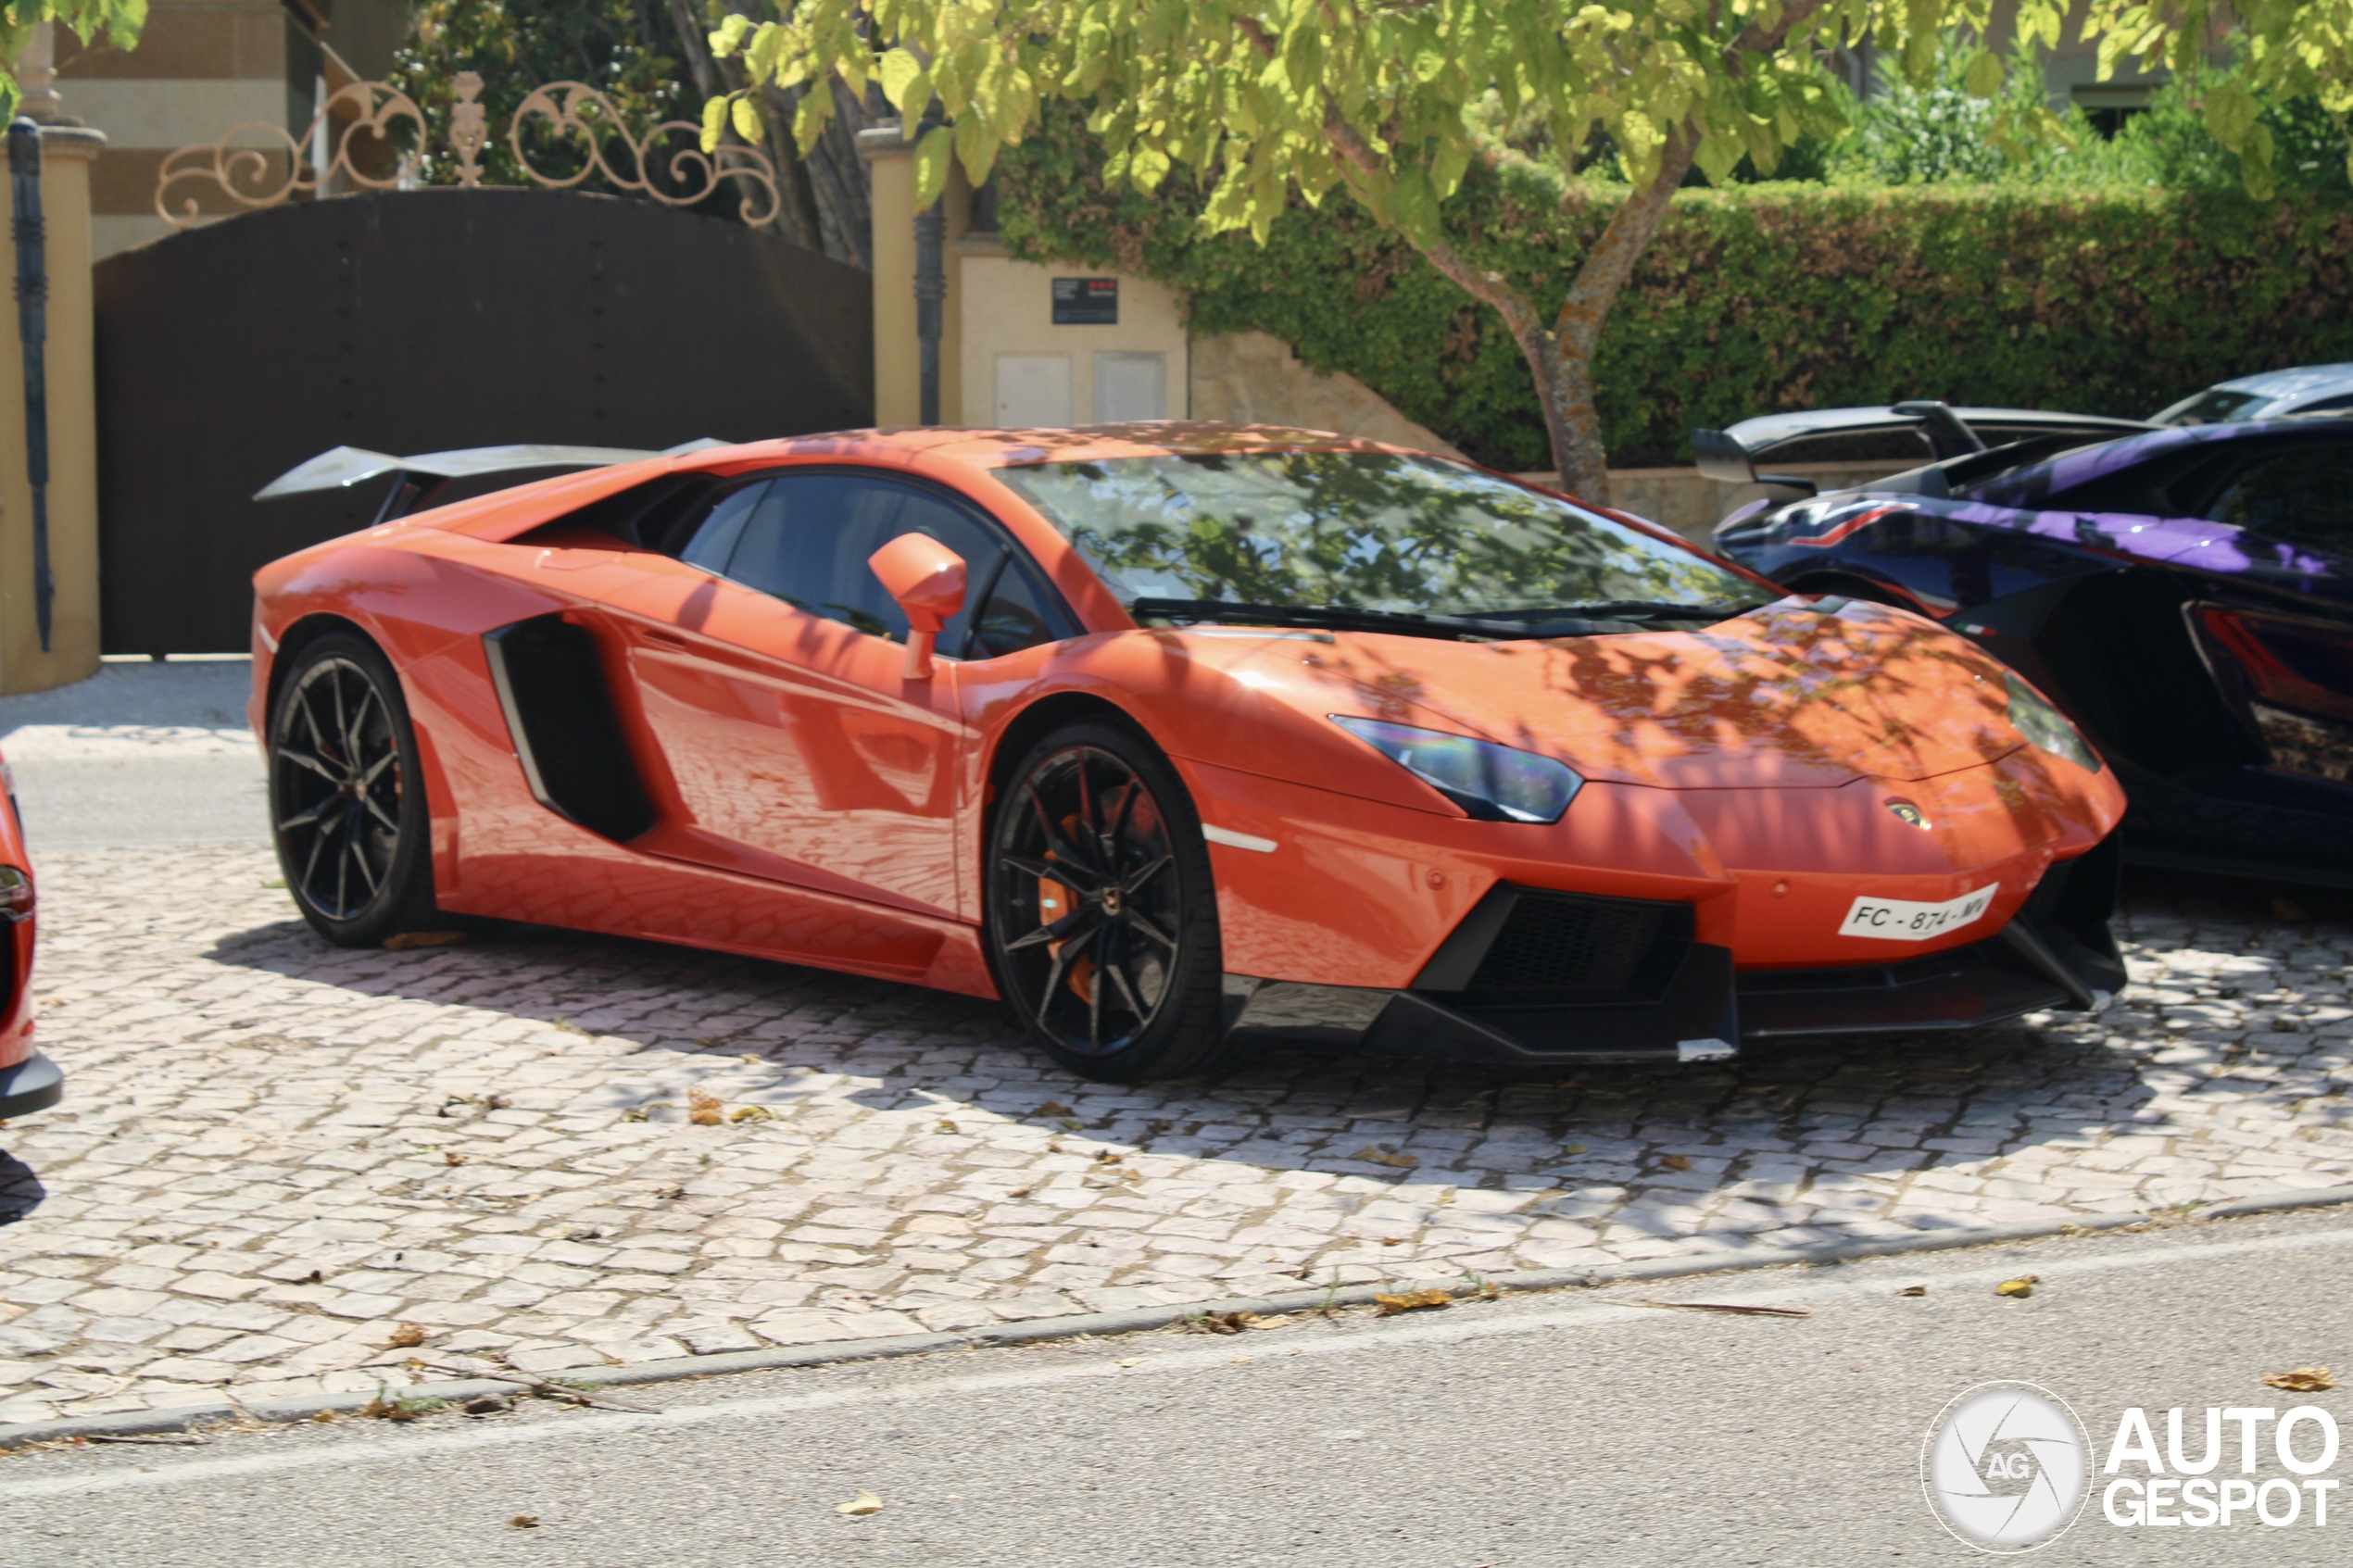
(16,895)
(2047,727)
(1496,784)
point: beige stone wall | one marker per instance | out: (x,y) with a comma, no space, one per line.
(1251,378)
(1008,311)
(202,69)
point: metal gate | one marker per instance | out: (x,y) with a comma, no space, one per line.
(417,321)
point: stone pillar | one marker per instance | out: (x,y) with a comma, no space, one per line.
(898,351)
(67,152)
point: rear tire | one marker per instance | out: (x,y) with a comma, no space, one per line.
(347,797)
(1102,909)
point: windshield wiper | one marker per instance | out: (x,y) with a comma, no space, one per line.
(1514,625)
(1639,610)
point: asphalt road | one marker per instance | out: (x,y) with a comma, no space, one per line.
(1566,1429)
(139,753)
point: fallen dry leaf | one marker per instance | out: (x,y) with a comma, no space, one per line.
(525,1522)
(2303,1380)
(451,1157)
(400,942)
(380,1409)
(1913,1290)
(1267,1320)
(750,1061)
(1382,1157)
(1221,1323)
(1131,1361)
(1412,1300)
(865,1503)
(705,1109)
(1728,1307)
(407,1335)
(752,1113)
(634,1113)
(1018,1192)
(1676,1161)
(2022,1285)
(1053,1108)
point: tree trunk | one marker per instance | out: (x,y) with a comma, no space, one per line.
(1562,358)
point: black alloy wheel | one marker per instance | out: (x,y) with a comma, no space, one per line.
(1103,914)
(347,807)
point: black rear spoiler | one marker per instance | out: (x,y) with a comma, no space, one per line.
(416,480)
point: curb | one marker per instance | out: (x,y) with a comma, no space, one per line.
(180,1418)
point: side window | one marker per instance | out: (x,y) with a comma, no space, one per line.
(714,539)
(1017,615)
(2303,496)
(807,540)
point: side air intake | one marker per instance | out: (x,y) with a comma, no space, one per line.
(551,685)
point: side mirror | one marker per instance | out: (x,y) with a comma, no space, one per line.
(1725,460)
(927,579)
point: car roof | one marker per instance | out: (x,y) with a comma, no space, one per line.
(2297,381)
(2083,464)
(1764,432)
(1150,438)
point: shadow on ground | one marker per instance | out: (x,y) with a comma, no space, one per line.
(20,1190)
(1785,1110)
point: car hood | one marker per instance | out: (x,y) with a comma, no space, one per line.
(1784,696)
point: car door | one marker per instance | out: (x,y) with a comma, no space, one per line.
(772,679)
(2288,667)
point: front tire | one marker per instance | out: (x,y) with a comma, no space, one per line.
(346,799)
(1102,909)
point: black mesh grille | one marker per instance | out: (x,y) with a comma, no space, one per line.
(1559,944)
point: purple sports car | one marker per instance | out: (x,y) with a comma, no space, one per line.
(2186,595)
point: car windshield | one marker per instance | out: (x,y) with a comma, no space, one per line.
(1374,532)
(2213,406)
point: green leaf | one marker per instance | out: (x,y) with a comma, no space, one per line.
(1446,169)
(749,123)
(808,119)
(1985,74)
(2231,113)
(1148,167)
(931,164)
(729,34)
(976,141)
(714,122)
(901,73)
(1415,206)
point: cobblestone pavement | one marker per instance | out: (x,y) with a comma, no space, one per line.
(274,1154)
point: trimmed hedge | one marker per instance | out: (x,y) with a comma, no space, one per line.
(1752,298)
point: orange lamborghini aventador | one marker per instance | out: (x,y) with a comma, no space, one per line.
(1177,738)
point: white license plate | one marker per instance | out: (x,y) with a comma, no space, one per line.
(1902,920)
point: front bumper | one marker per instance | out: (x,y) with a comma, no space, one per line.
(1533,977)
(34,1083)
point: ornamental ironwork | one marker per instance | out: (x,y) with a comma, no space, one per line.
(666,164)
